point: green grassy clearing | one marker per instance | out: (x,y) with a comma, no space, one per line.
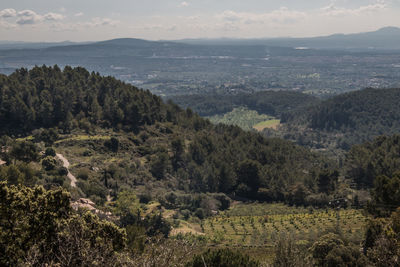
(273,124)
(28,138)
(83,138)
(242,117)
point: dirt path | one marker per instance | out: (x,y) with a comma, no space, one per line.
(66,165)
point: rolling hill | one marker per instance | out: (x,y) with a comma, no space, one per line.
(347,119)
(119,136)
(148,165)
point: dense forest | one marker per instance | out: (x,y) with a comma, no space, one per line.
(346,119)
(376,165)
(136,156)
(273,103)
(49,97)
(177,144)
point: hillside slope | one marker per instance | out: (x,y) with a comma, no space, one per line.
(347,119)
(117,136)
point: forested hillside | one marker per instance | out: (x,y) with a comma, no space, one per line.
(48,97)
(376,165)
(169,146)
(74,140)
(367,161)
(346,119)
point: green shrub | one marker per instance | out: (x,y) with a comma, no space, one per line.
(200,213)
(50,152)
(49,163)
(222,258)
(83,174)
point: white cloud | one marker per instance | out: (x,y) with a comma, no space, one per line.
(251,21)
(282,16)
(159,27)
(8,13)
(28,17)
(96,22)
(333,10)
(53,16)
(232,16)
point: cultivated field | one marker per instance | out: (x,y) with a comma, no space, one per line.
(260,225)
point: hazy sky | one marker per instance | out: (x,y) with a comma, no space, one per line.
(87,20)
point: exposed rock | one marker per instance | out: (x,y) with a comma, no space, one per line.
(84,203)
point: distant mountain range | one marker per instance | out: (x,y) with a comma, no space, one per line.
(387,38)
(345,63)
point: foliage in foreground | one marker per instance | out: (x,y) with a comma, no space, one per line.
(38,227)
(222,258)
(382,242)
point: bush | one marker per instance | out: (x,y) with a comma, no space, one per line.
(224,200)
(58,180)
(87,153)
(49,163)
(185,214)
(145,198)
(288,254)
(25,151)
(200,213)
(158,165)
(62,171)
(40,229)
(346,256)
(331,251)
(48,136)
(222,258)
(83,174)
(321,248)
(112,144)
(50,152)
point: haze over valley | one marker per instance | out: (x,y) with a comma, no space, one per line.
(200,133)
(171,68)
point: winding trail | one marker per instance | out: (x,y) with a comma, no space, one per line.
(66,165)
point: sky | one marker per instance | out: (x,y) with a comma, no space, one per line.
(93,20)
